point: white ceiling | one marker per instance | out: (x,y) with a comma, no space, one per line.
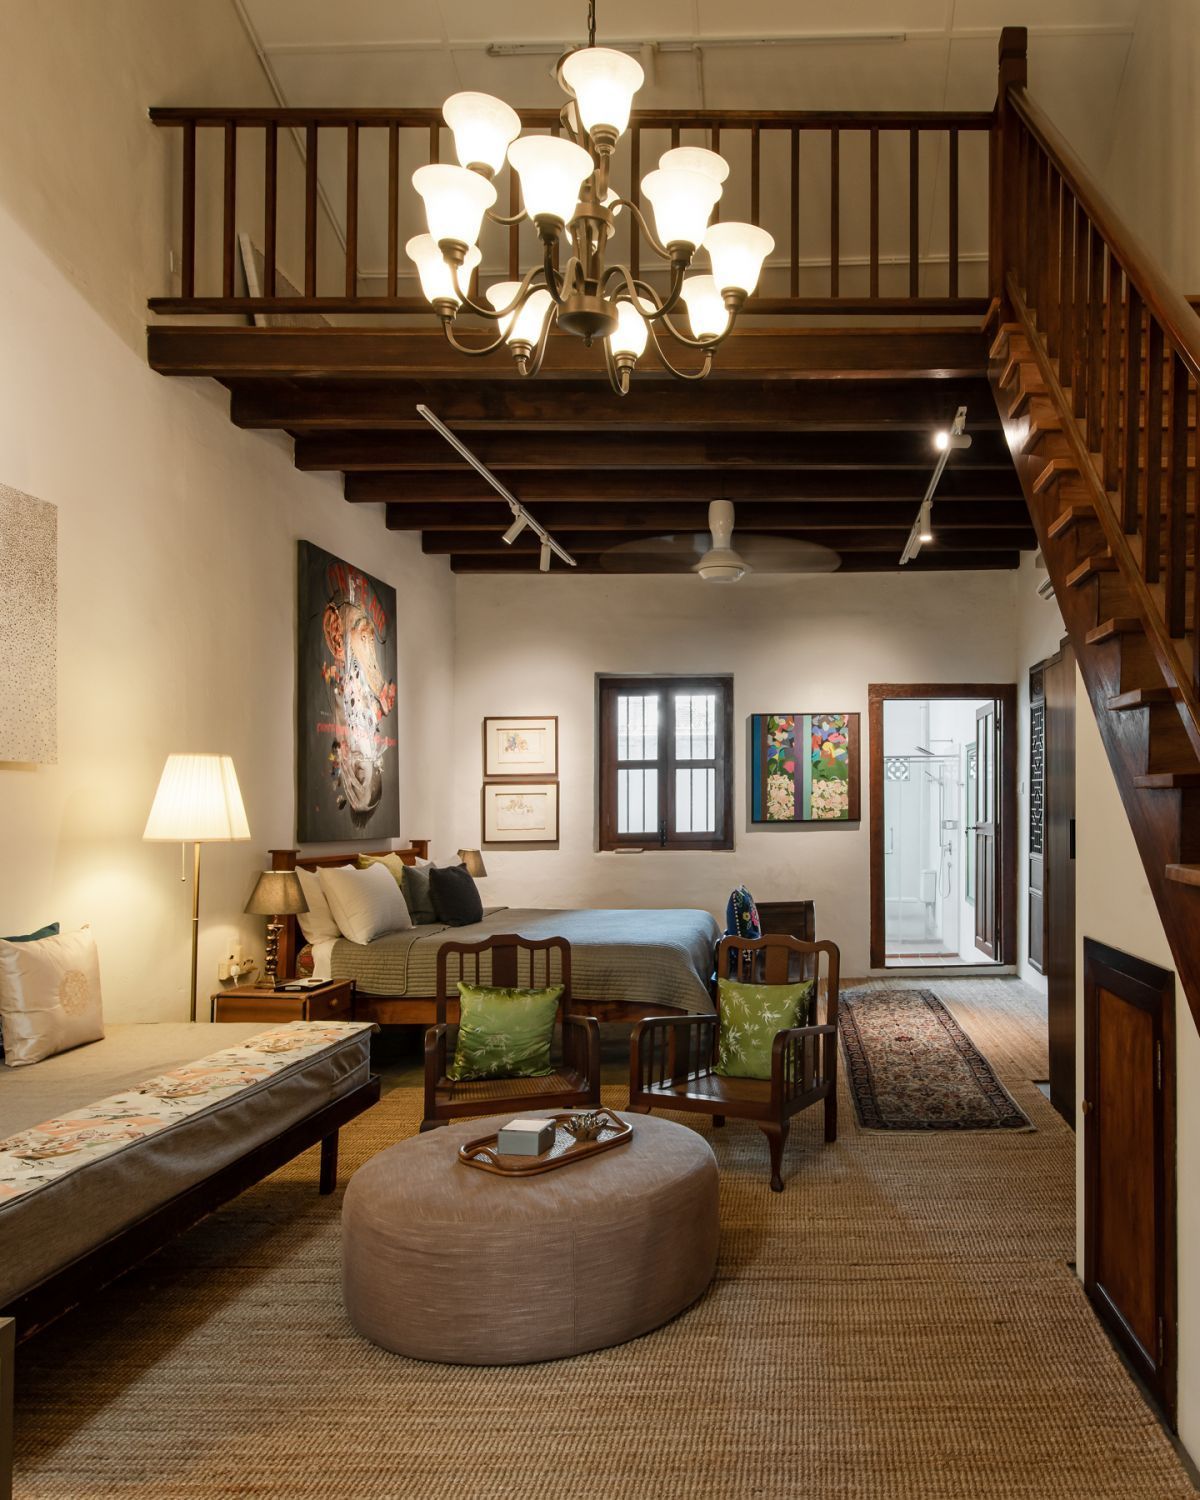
(755,54)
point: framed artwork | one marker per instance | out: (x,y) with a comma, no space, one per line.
(347,786)
(804,768)
(520,814)
(520,748)
(28,628)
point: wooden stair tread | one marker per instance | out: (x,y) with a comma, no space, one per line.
(1005,332)
(1140,698)
(1054,470)
(1168,781)
(1184,874)
(1109,630)
(1102,562)
(1073,515)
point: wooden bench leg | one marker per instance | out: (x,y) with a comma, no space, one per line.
(329,1162)
(718,1121)
(831,1115)
(776,1140)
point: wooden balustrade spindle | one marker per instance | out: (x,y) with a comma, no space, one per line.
(310,211)
(1152,513)
(352,210)
(794,215)
(1130,518)
(1066,287)
(1094,414)
(393,211)
(514,230)
(1112,377)
(715,145)
(914,212)
(1079,372)
(835,211)
(187,261)
(755,176)
(635,188)
(1054,211)
(229,211)
(1177,496)
(270,206)
(874,163)
(954,211)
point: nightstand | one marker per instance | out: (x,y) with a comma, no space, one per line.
(333,1001)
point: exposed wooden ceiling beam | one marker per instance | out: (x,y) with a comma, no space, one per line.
(641,486)
(593,543)
(652,518)
(357,352)
(931,560)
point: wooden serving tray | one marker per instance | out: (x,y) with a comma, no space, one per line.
(565,1150)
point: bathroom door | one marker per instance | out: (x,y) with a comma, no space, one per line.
(987,742)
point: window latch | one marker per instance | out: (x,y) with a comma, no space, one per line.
(662,833)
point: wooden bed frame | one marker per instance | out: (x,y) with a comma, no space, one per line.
(415,1010)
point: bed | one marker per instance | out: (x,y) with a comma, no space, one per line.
(108,1150)
(626,964)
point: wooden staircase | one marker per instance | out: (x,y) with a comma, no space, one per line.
(1094,365)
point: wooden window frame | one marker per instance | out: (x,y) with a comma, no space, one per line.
(608,690)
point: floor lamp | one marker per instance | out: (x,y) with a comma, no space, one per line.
(198,801)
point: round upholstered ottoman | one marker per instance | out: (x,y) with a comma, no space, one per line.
(444,1262)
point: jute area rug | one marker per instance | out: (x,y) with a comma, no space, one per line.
(898,1324)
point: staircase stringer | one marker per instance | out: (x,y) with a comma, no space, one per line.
(1165,822)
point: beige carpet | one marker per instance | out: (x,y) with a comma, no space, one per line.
(899,1324)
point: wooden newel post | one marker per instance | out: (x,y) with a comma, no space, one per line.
(1003,209)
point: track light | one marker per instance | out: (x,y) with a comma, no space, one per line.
(519,524)
(925,522)
(945,442)
(544,559)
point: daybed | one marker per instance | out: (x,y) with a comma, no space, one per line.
(110,1149)
(626,963)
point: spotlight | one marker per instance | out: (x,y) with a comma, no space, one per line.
(941,441)
(518,526)
(925,523)
(544,559)
(959,440)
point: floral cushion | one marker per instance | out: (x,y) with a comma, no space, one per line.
(741,915)
(750,1017)
(504,1033)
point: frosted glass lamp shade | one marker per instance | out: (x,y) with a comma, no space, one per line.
(682,203)
(483,127)
(630,335)
(455,201)
(737,252)
(706,308)
(603,83)
(277,894)
(436,281)
(695,159)
(551,171)
(526,324)
(198,801)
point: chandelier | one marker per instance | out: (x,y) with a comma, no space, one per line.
(566,194)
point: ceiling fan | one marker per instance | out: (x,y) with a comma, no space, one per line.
(712,555)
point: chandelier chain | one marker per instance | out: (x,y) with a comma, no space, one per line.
(591,23)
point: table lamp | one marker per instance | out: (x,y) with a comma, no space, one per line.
(198,801)
(474,863)
(276,895)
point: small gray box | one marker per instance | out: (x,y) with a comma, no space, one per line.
(525,1137)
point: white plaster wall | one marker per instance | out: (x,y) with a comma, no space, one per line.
(177,531)
(536,646)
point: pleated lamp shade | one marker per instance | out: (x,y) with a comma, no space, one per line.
(198,801)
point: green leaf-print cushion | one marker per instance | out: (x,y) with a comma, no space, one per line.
(504,1033)
(751,1014)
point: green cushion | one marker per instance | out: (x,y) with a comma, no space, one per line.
(751,1015)
(50,930)
(417,897)
(504,1033)
(392,863)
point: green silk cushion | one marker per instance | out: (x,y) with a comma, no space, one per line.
(751,1014)
(392,863)
(504,1033)
(417,895)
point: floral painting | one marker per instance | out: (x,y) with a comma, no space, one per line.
(805,768)
(348,782)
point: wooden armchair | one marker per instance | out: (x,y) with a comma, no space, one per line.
(510,961)
(671,1058)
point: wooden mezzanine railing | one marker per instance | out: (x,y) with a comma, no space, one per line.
(370,149)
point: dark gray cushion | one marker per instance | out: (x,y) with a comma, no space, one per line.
(415,890)
(455,896)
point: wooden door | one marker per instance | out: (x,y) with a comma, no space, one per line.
(987,741)
(1129,1159)
(1058,904)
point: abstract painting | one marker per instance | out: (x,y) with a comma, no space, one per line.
(28,628)
(804,768)
(523,747)
(348,786)
(525,814)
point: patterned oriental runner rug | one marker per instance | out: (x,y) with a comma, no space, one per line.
(911,1066)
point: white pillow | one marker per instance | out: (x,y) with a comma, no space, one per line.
(365,903)
(317,923)
(49,996)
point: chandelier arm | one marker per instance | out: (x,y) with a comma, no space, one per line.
(555,280)
(493,218)
(619,380)
(673,369)
(451,339)
(534,366)
(493,313)
(651,238)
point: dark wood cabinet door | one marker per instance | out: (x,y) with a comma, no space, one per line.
(1129,1154)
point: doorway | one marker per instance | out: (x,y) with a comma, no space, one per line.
(943,799)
